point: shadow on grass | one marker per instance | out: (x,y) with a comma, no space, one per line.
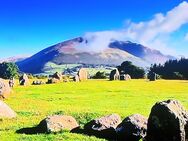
(38,130)
(102,135)
(30,130)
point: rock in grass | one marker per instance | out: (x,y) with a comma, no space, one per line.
(114,74)
(5,90)
(103,127)
(125,77)
(6,111)
(132,128)
(53,81)
(167,122)
(76,78)
(83,74)
(37,82)
(24,80)
(57,75)
(57,123)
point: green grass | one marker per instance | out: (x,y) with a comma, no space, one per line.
(85,101)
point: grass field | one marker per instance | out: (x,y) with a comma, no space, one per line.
(85,101)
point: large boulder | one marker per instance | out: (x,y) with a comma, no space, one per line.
(57,123)
(132,128)
(6,111)
(103,127)
(83,74)
(167,122)
(24,80)
(5,90)
(115,75)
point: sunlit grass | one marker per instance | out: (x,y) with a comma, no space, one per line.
(85,101)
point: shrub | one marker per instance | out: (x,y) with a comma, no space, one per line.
(99,75)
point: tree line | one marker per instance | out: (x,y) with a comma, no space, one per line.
(172,69)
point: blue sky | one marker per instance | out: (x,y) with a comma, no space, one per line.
(26,26)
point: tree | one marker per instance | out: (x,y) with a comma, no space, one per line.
(8,70)
(128,68)
(172,69)
(99,75)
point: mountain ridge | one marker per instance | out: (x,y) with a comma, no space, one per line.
(68,52)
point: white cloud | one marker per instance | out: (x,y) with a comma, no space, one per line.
(186,37)
(153,33)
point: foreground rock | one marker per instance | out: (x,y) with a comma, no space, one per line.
(57,123)
(24,80)
(5,90)
(114,74)
(132,128)
(6,111)
(167,122)
(103,127)
(83,74)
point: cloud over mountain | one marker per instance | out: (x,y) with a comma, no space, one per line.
(154,33)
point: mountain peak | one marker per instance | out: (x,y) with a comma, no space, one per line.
(77,50)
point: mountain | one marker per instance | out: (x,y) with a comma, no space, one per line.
(15,58)
(138,50)
(76,51)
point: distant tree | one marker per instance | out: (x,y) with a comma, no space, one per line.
(99,75)
(8,70)
(128,68)
(172,69)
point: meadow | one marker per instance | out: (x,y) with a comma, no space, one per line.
(85,101)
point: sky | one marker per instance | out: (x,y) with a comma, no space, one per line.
(27,27)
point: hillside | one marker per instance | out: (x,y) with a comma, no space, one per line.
(71,52)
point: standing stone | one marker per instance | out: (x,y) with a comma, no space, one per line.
(38,82)
(132,128)
(103,127)
(125,77)
(5,90)
(76,78)
(53,81)
(24,80)
(115,75)
(167,122)
(83,74)
(11,82)
(57,76)
(6,111)
(57,123)
(152,76)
